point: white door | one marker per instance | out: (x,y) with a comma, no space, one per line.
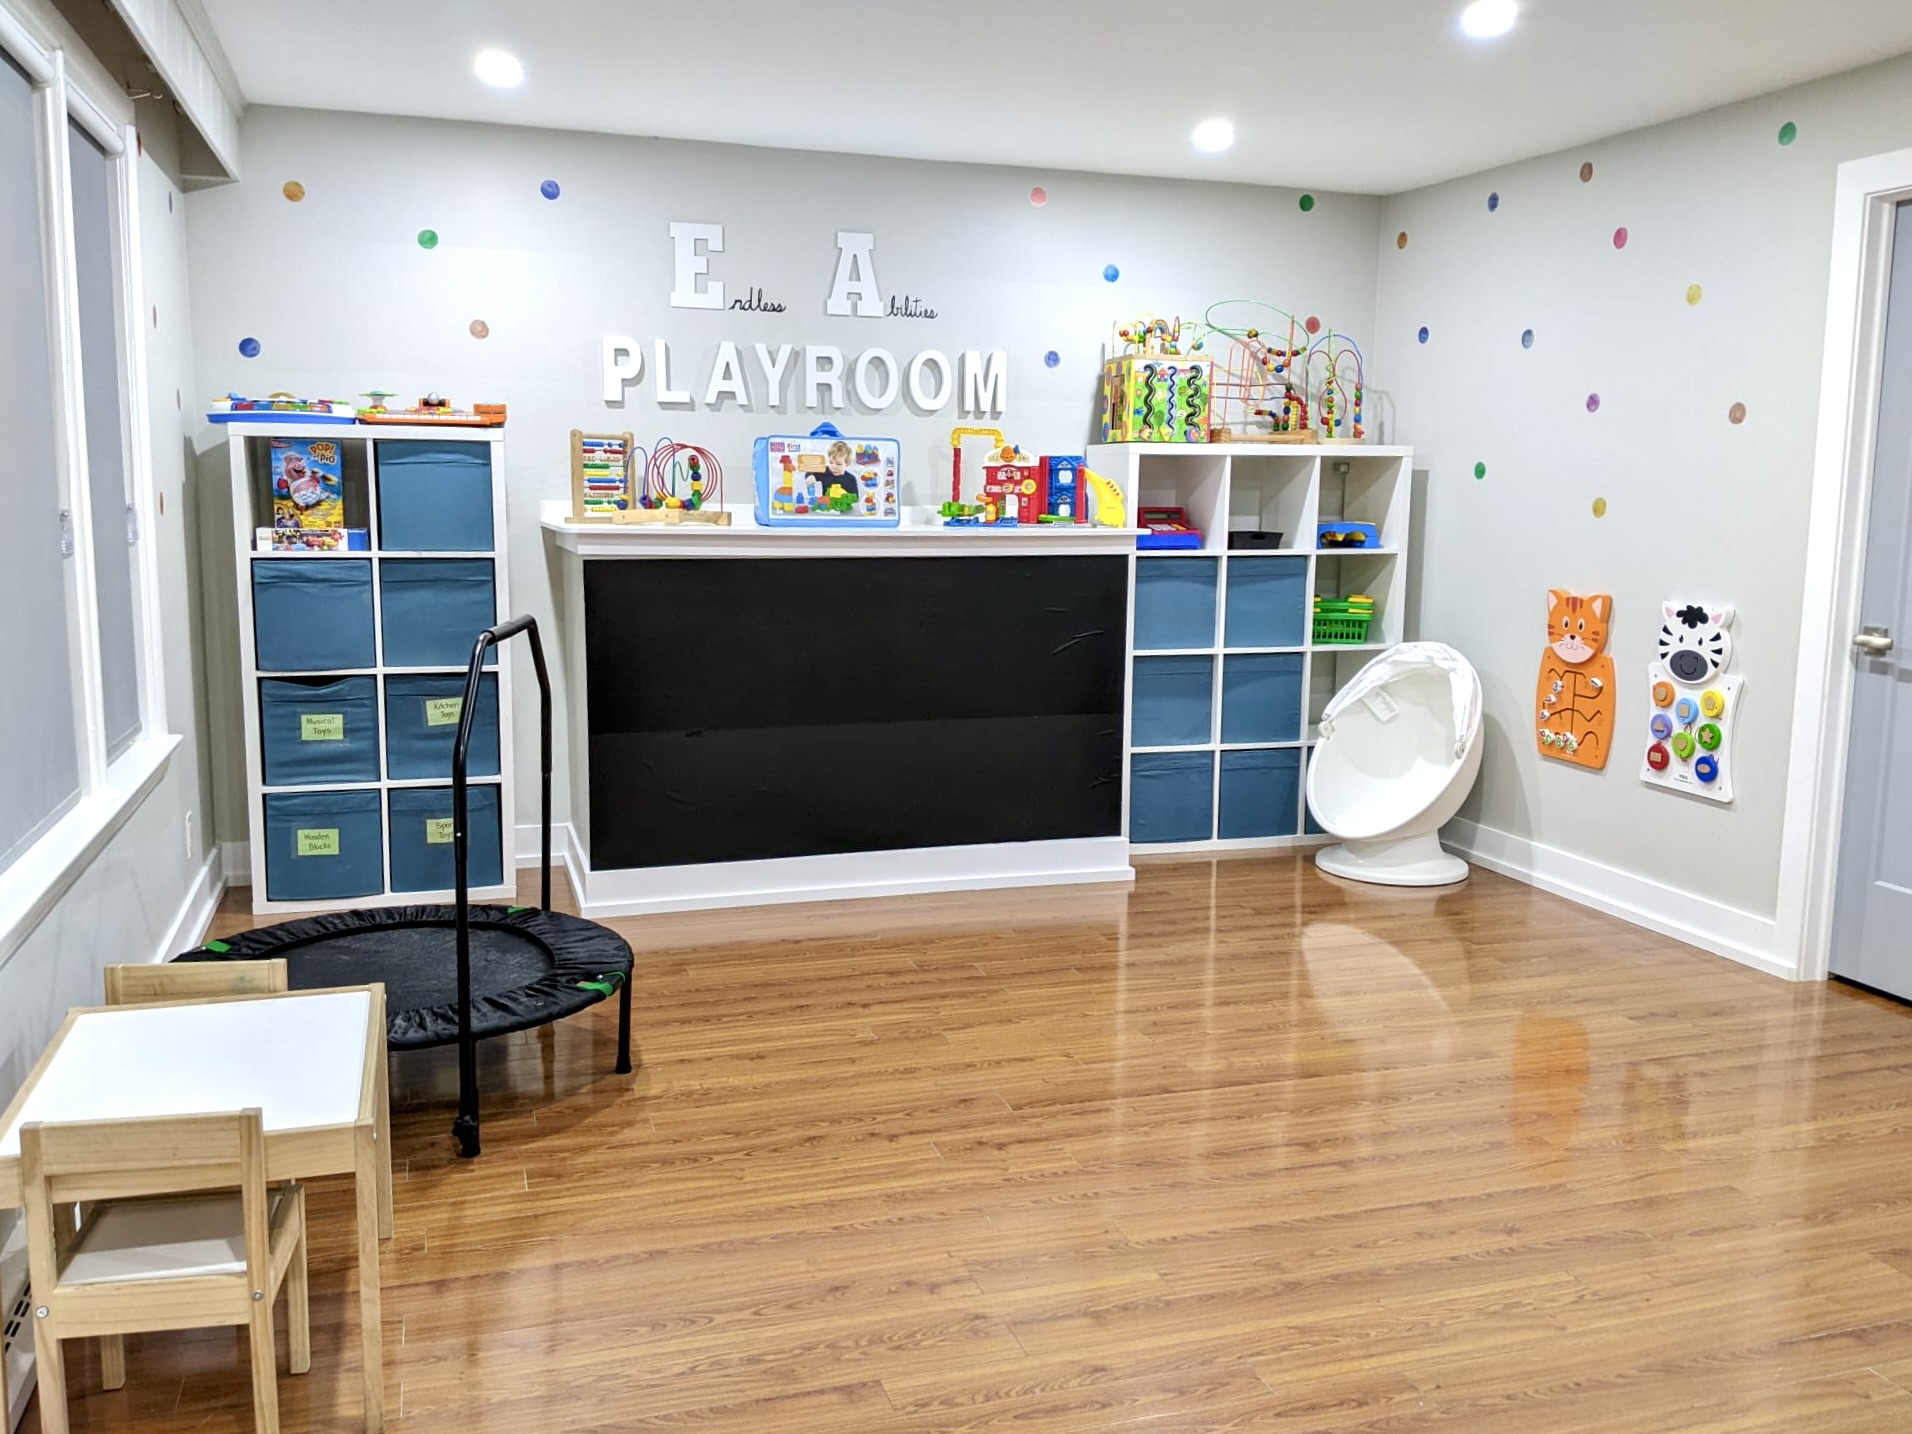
(1872,909)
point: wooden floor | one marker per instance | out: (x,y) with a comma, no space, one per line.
(1245,1148)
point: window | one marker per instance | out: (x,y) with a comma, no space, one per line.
(79,692)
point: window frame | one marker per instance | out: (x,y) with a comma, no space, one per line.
(111,784)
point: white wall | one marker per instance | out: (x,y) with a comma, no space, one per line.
(146,893)
(1697,506)
(342,298)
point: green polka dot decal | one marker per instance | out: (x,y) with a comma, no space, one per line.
(1480,470)
(428,238)
(1307,203)
(1788,132)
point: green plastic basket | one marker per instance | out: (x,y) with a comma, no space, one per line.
(1342,621)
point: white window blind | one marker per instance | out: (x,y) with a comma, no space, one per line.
(40,771)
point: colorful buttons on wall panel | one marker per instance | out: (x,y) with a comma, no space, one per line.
(1695,703)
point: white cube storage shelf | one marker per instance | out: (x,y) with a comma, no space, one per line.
(1226,682)
(354,670)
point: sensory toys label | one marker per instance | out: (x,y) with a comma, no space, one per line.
(1695,706)
(827,480)
(439,831)
(308,484)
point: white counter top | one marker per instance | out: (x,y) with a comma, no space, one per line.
(922,534)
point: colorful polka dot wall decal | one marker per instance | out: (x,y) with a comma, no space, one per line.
(1480,470)
(1593,403)
(1736,414)
(1586,172)
(1312,324)
(1111,273)
(480,329)
(1051,359)
(428,238)
(549,189)
(1493,202)
(1423,334)
(1620,237)
(1307,203)
(248,348)
(1526,338)
(1400,240)
(1599,507)
(1788,132)
(293,190)
(1038,196)
(1694,293)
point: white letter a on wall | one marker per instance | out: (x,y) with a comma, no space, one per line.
(855,291)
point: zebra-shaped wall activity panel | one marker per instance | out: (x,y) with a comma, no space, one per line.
(1695,705)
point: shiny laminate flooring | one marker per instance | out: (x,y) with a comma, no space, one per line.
(1245,1148)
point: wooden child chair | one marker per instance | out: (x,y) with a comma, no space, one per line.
(193,981)
(190,1260)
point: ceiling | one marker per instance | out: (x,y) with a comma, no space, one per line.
(1370,96)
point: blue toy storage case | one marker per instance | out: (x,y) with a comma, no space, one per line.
(434,609)
(794,470)
(318,733)
(421,834)
(421,726)
(434,497)
(313,614)
(323,846)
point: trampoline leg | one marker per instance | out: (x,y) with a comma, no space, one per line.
(466,1129)
(624,1028)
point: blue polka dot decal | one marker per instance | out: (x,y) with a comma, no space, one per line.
(1493,201)
(1526,338)
(1111,273)
(1423,333)
(549,189)
(248,348)
(1052,358)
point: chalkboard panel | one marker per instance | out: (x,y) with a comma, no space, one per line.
(753,708)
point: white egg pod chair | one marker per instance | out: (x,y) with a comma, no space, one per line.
(1399,750)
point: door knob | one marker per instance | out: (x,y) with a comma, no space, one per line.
(1873,641)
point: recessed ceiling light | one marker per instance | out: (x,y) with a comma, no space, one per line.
(498,69)
(1213,136)
(1485,19)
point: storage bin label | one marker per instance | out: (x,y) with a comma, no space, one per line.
(443,711)
(317,841)
(438,831)
(321,726)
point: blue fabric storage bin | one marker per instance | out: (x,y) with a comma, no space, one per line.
(1261,793)
(1171,796)
(1309,826)
(312,614)
(318,733)
(422,852)
(434,608)
(1173,702)
(1269,604)
(1175,602)
(323,846)
(421,726)
(434,497)
(1261,697)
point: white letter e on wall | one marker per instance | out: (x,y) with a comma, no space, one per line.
(693,265)
(855,291)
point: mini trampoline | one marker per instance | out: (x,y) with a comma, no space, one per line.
(460,973)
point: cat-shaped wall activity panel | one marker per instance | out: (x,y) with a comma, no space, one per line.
(1695,705)
(1575,698)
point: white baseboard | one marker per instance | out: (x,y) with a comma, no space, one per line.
(1741,936)
(195,912)
(235,863)
(655,890)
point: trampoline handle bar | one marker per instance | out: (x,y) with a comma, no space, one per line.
(467,1123)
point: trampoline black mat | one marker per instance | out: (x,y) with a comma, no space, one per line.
(528,967)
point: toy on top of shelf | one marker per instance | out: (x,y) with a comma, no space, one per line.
(1153,393)
(602,477)
(1111,511)
(682,484)
(279,408)
(956,436)
(1341,389)
(308,483)
(1575,697)
(1167,528)
(1347,535)
(1342,622)
(1695,706)
(431,409)
(1256,379)
(823,479)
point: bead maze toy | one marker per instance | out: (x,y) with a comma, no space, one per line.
(1260,390)
(1152,392)
(683,483)
(1341,389)
(1695,704)
(823,479)
(1575,698)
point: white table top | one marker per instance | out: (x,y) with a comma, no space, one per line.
(299,1059)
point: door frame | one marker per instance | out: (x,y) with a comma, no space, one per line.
(1864,216)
